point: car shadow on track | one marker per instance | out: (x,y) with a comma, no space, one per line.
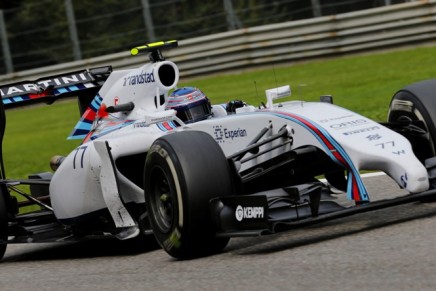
(331,230)
(83,249)
(238,246)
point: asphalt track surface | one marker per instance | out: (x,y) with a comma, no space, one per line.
(389,249)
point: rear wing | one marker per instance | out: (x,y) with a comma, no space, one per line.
(84,84)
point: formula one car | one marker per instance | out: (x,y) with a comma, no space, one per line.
(157,159)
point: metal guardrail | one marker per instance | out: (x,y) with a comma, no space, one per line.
(373,29)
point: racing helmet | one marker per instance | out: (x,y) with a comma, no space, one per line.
(191,104)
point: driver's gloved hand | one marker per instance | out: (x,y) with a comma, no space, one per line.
(232,105)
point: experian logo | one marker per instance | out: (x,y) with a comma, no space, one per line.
(248,213)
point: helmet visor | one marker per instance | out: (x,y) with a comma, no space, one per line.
(195,113)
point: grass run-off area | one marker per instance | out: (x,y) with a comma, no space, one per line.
(364,83)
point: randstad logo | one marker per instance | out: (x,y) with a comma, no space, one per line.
(139,79)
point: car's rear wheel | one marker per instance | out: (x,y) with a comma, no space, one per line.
(3,224)
(183,171)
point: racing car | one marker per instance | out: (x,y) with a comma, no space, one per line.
(156,159)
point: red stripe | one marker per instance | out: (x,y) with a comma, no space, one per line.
(89,114)
(167,126)
(355,189)
(324,139)
(354,186)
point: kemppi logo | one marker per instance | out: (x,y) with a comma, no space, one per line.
(242,213)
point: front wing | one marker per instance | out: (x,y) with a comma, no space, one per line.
(289,208)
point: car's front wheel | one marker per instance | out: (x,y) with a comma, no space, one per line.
(183,171)
(416,104)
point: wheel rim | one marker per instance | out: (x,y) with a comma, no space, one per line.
(162,200)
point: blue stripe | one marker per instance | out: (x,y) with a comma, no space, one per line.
(73,88)
(76,136)
(110,129)
(362,190)
(96,102)
(343,154)
(62,90)
(161,127)
(84,126)
(87,121)
(94,106)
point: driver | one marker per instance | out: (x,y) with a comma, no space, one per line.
(191,104)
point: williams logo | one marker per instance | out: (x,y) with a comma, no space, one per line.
(242,213)
(223,133)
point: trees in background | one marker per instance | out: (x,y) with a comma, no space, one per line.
(39,32)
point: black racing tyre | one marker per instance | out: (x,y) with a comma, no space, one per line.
(183,171)
(417,102)
(3,223)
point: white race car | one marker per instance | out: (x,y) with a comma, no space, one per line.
(195,174)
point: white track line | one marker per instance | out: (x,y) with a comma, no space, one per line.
(367,175)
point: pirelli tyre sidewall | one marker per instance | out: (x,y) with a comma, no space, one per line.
(183,171)
(3,222)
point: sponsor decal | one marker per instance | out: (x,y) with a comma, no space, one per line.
(161,119)
(140,124)
(242,213)
(142,78)
(223,133)
(366,129)
(347,124)
(42,84)
(335,118)
(403,180)
(373,137)
(158,119)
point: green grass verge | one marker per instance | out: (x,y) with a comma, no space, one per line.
(364,84)
(35,134)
